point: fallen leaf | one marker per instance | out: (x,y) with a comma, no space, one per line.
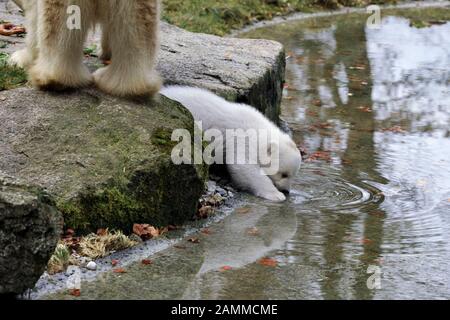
(146,231)
(102,232)
(119,270)
(268,262)
(366,241)
(320,155)
(346,162)
(395,129)
(323,125)
(114,262)
(226,268)
(244,210)
(194,240)
(75,292)
(147,262)
(9,29)
(253,231)
(206,231)
(365,109)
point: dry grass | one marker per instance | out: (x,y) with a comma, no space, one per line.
(98,246)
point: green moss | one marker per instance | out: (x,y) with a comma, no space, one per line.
(10,77)
(159,198)
(162,137)
(220,17)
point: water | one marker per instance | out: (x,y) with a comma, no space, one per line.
(369,215)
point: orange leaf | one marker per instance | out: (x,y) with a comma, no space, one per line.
(147,262)
(146,231)
(75,292)
(102,232)
(268,262)
(119,270)
(114,262)
(366,241)
(226,268)
(9,29)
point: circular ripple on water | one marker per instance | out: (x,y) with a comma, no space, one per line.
(326,189)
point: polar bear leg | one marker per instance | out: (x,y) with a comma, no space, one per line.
(24,58)
(59,64)
(132,29)
(251,178)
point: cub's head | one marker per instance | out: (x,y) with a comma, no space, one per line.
(288,160)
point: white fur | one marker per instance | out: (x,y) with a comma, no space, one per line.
(217,113)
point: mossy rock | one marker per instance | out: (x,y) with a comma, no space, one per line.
(106,161)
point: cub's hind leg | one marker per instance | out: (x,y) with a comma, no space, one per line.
(59,64)
(132,30)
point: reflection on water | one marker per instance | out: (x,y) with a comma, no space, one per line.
(375,104)
(372,108)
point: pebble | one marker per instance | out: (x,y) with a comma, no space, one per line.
(91,266)
(212,185)
(221,191)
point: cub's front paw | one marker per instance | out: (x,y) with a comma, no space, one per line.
(275,196)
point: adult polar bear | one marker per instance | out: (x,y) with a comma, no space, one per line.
(218,114)
(54,52)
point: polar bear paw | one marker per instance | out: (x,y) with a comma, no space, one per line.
(47,77)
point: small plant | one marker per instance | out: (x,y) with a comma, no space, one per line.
(90,51)
(10,76)
(60,259)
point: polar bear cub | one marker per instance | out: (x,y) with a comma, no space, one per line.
(216,113)
(57,30)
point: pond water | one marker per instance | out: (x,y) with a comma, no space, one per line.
(369,215)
